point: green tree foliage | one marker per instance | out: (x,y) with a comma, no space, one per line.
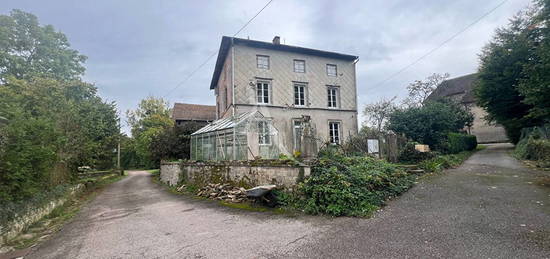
(149,120)
(28,49)
(51,122)
(513,83)
(174,142)
(429,124)
(535,86)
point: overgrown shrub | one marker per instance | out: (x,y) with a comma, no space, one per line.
(410,155)
(458,142)
(350,185)
(429,124)
(531,148)
(441,162)
(535,145)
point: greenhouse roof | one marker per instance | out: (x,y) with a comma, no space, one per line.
(226,123)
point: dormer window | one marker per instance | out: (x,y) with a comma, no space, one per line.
(331,70)
(299,66)
(262,62)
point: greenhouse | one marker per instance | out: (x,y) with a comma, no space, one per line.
(241,137)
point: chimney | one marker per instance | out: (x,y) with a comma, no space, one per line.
(277,40)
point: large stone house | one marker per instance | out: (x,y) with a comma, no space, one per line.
(306,97)
(460,89)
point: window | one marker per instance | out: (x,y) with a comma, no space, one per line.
(262,61)
(334,132)
(299,66)
(332,93)
(262,92)
(297,133)
(299,94)
(263,133)
(331,70)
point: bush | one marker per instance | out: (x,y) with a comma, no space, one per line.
(430,123)
(458,142)
(535,145)
(410,155)
(533,149)
(353,186)
(441,162)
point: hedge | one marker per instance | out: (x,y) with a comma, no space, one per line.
(458,142)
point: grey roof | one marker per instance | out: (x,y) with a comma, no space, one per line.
(227,42)
(459,85)
(226,123)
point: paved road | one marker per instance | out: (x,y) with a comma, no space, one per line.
(490,207)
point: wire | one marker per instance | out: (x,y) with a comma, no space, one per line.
(213,54)
(381,83)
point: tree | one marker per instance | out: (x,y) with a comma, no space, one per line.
(377,113)
(430,123)
(53,127)
(28,49)
(52,122)
(150,119)
(151,113)
(535,86)
(419,90)
(174,142)
(513,76)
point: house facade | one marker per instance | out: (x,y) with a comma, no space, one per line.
(308,97)
(460,89)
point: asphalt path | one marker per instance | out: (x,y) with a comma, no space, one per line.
(490,207)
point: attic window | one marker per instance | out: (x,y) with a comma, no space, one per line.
(331,70)
(262,62)
(299,66)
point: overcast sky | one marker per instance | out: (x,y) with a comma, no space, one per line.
(146,47)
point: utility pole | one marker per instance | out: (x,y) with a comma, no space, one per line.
(118,149)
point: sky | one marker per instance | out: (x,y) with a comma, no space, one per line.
(139,48)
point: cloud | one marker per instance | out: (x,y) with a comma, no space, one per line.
(141,48)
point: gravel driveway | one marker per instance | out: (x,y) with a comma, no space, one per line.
(490,207)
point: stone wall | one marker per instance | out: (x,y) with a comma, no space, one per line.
(170,173)
(11,229)
(240,173)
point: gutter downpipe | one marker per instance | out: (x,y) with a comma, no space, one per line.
(233,94)
(355,89)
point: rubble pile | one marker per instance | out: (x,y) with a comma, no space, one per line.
(223,192)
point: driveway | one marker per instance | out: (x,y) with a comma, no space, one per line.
(490,207)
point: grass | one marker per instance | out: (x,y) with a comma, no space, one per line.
(52,222)
(153,171)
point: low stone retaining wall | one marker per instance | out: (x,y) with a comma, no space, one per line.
(11,229)
(239,173)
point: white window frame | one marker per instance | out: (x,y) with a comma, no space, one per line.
(263,87)
(330,70)
(333,97)
(335,133)
(264,133)
(297,96)
(297,68)
(260,62)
